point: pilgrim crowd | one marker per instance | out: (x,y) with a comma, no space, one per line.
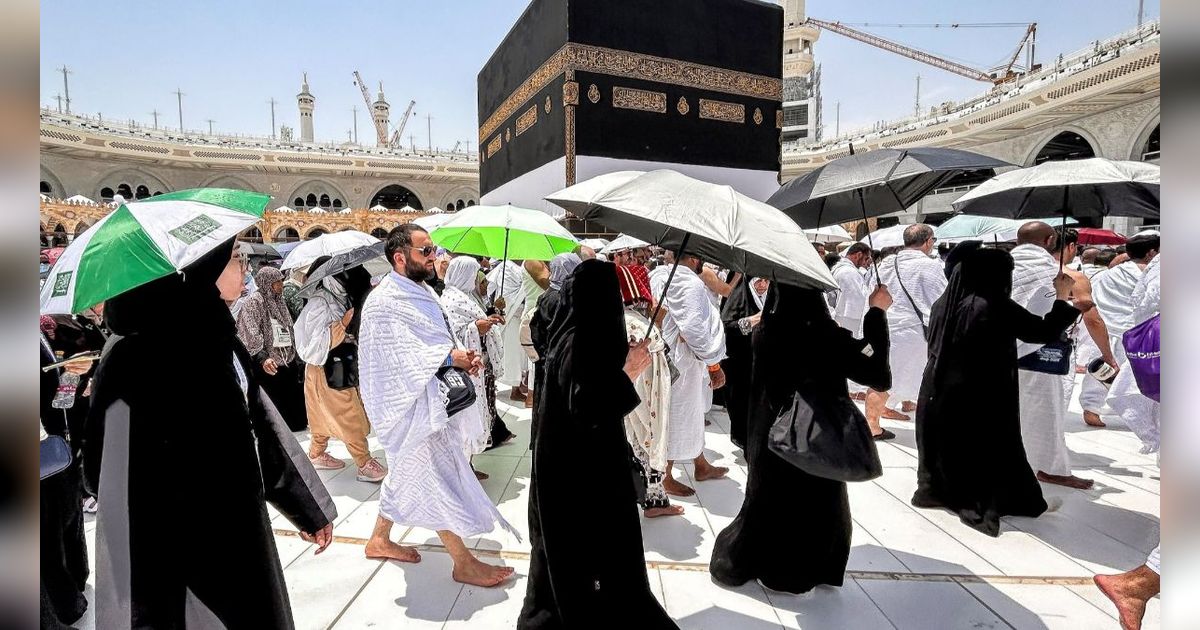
(620,355)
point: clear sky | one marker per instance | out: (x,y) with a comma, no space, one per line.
(127,57)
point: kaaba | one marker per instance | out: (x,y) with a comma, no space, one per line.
(579,88)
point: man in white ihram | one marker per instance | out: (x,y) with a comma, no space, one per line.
(693,331)
(404,340)
(850,304)
(1043,406)
(916,281)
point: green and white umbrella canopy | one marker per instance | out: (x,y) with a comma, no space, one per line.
(506,232)
(146,240)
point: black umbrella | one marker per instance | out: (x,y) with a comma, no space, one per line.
(875,183)
(365,255)
(258,249)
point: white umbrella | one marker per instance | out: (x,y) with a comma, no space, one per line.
(1095,187)
(715,222)
(377,208)
(432,221)
(828,234)
(623,242)
(79,199)
(886,237)
(325,245)
(594,243)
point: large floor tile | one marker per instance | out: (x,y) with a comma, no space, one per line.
(404,595)
(912,605)
(1040,606)
(321,586)
(829,607)
(497,607)
(695,602)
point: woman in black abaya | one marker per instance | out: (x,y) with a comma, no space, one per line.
(587,567)
(737,315)
(793,531)
(183,449)
(970,456)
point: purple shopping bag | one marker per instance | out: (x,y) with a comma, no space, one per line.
(1142,347)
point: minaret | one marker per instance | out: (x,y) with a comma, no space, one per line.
(380,111)
(306,101)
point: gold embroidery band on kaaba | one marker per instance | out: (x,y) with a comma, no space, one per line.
(644,100)
(493,146)
(619,63)
(720,110)
(526,120)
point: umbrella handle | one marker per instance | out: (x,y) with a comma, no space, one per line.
(670,276)
(862,203)
(503,266)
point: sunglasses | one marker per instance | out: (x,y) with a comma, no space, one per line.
(426,251)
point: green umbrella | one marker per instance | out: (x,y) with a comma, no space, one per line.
(145,240)
(504,232)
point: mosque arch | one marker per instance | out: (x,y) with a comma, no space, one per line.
(458,205)
(459,197)
(106,194)
(470,202)
(228,181)
(395,197)
(45,188)
(1070,143)
(125,191)
(449,207)
(1145,145)
(81,227)
(312,191)
(316,231)
(252,233)
(49,179)
(286,233)
(130,180)
(298,202)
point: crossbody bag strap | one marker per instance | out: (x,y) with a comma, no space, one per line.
(920,317)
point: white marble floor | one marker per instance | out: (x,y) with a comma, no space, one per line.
(908,568)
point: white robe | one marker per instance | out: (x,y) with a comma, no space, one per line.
(1043,405)
(310,331)
(1113,293)
(925,279)
(462,311)
(514,298)
(647,427)
(693,331)
(851,303)
(403,341)
(1141,414)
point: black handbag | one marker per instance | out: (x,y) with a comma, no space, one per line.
(825,436)
(54,456)
(1056,357)
(341,367)
(456,387)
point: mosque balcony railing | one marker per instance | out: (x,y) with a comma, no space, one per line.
(233,140)
(1064,66)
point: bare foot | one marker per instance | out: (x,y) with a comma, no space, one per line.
(670,510)
(710,472)
(388,550)
(908,406)
(1070,481)
(858,396)
(480,475)
(1129,592)
(672,487)
(892,414)
(478,573)
(1093,419)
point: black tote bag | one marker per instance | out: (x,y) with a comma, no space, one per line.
(826,437)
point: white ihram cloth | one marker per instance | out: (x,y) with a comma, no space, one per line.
(851,303)
(463,309)
(1140,414)
(693,331)
(514,301)
(403,341)
(647,427)
(1043,405)
(925,279)
(1113,293)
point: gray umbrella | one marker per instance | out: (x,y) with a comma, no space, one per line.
(875,183)
(1094,187)
(371,256)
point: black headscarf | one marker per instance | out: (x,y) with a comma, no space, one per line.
(357,282)
(740,302)
(978,274)
(175,356)
(957,254)
(590,304)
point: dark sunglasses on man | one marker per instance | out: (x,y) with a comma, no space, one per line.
(426,251)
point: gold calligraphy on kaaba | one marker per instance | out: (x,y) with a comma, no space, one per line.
(494,146)
(548,104)
(779,119)
(527,120)
(593,93)
(570,93)
(508,134)
(758,117)
(644,100)
(682,106)
(720,110)
(572,57)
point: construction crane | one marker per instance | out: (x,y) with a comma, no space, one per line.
(395,142)
(381,135)
(996,76)
(456,145)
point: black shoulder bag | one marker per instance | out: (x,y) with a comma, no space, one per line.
(341,366)
(454,383)
(826,436)
(1056,357)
